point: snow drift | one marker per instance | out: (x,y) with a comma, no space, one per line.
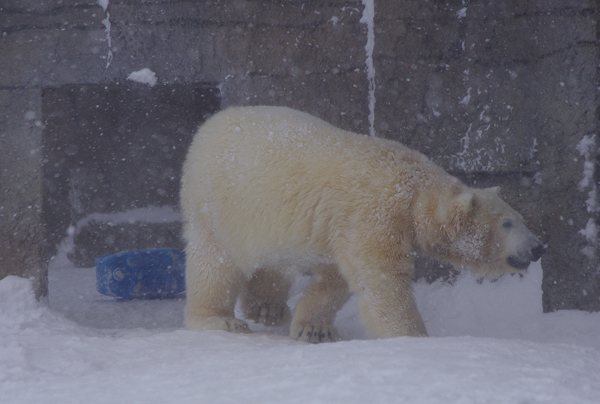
(490,344)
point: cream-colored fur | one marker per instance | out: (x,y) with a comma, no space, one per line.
(269,191)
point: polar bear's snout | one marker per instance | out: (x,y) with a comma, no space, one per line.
(538,251)
(522,261)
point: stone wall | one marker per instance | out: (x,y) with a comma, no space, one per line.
(21,235)
(504,92)
(498,93)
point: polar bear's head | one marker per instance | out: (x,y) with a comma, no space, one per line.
(483,233)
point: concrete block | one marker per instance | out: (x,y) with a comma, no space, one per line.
(21,230)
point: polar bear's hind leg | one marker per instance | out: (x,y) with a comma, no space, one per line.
(213,285)
(265,297)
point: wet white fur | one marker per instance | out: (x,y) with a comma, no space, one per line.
(268,191)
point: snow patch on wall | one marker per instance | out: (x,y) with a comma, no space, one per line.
(587,149)
(475,154)
(591,235)
(368,18)
(465,101)
(144,76)
(106,23)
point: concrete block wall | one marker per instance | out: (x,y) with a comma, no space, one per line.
(497,93)
(21,233)
(504,93)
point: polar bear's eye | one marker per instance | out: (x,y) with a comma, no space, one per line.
(507,224)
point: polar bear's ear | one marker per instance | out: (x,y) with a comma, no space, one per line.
(465,201)
(494,190)
(461,205)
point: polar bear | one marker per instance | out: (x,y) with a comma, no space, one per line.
(270,191)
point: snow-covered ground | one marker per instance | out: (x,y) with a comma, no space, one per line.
(490,343)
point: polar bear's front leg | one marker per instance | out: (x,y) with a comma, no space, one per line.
(265,298)
(313,319)
(387,306)
(213,286)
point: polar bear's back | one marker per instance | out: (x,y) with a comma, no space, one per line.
(277,135)
(266,138)
(273,176)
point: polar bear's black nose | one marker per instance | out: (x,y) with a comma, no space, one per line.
(538,251)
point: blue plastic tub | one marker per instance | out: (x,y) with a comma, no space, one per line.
(142,274)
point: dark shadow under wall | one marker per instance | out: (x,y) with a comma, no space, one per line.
(113,148)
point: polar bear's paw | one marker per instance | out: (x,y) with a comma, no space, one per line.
(273,314)
(314,333)
(225,324)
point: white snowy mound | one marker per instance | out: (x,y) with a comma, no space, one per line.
(45,358)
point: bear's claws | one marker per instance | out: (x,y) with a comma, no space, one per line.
(316,333)
(225,324)
(270,315)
